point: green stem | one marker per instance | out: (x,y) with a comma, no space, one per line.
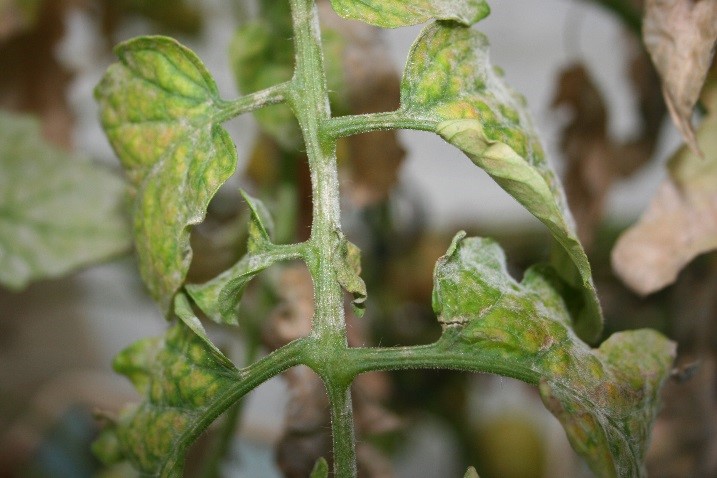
(357,124)
(437,355)
(342,431)
(232,417)
(248,379)
(309,99)
(269,366)
(254,101)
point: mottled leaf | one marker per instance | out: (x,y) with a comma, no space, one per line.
(680,36)
(606,398)
(680,222)
(399,13)
(450,84)
(160,109)
(58,211)
(184,382)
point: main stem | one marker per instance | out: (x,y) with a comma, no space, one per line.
(309,99)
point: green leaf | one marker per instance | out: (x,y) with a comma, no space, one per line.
(606,398)
(219,297)
(321,469)
(184,382)
(58,211)
(184,311)
(450,84)
(347,264)
(261,225)
(400,13)
(161,111)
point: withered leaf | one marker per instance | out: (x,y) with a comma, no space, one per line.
(680,36)
(586,148)
(681,221)
(595,160)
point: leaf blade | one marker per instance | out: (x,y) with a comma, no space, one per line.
(219,297)
(397,13)
(603,397)
(450,84)
(680,37)
(184,383)
(677,226)
(158,108)
(58,211)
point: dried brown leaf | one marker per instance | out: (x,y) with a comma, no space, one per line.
(681,221)
(586,148)
(595,160)
(680,36)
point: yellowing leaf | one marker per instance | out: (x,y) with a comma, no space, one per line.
(58,211)
(184,382)
(606,398)
(680,36)
(450,83)
(681,221)
(399,13)
(161,111)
